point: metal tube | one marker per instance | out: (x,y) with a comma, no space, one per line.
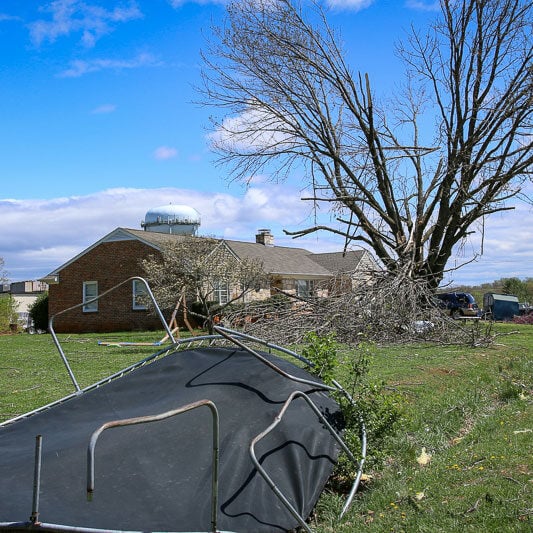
(44,526)
(226,333)
(357,480)
(56,340)
(277,420)
(317,384)
(61,353)
(36,479)
(155,418)
(265,343)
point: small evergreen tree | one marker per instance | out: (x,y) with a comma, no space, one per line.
(39,312)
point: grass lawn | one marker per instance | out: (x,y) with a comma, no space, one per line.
(469,408)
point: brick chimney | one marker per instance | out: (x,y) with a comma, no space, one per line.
(264,237)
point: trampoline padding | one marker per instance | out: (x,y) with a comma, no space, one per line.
(157,476)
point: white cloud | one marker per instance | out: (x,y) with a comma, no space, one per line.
(104,109)
(176,4)
(80,67)
(4,17)
(251,130)
(422,6)
(91,21)
(352,5)
(45,233)
(165,152)
(507,249)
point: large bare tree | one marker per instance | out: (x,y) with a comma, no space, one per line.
(289,100)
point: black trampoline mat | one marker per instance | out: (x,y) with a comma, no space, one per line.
(157,476)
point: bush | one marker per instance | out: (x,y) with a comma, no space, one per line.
(39,312)
(369,404)
(197,308)
(8,312)
(524,319)
(321,351)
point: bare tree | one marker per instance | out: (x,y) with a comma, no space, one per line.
(3,273)
(201,268)
(277,71)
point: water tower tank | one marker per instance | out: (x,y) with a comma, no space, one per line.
(172,218)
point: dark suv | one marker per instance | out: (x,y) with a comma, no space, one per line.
(458,303)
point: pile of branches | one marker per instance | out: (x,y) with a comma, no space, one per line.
(384,310)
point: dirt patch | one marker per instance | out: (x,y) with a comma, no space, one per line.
(466,428)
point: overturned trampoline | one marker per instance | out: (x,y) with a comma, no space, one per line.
(213,433)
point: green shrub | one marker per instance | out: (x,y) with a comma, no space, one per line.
(198,308)
(509,391)
(274,304)
(322,352)
(39,312)
(366,403)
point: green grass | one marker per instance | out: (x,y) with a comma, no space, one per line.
(470,408)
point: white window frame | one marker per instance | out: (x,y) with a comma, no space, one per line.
(139,291)
(304,287)
(221,292)
(90,291)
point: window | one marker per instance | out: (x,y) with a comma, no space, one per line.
(221,292)
(140,294)
(90,291)
(304,288)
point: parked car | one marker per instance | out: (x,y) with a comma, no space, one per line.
(458,304)
(525,308)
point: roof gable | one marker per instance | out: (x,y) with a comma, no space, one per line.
(118,234)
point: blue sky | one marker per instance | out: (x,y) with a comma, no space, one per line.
(99,125)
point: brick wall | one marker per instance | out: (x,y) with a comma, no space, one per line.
(109,263)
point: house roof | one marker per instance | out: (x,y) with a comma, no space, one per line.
(275,259)
(280,259)
(339,262)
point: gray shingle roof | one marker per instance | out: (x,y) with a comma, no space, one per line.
(279,259)
(339,262)
(275,259)
(152,237)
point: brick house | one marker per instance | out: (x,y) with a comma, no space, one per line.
(116,257)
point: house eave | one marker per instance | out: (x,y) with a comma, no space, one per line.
(50,279)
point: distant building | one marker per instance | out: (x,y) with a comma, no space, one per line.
(24,293)
(117,256)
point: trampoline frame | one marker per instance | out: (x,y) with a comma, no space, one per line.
(223,335)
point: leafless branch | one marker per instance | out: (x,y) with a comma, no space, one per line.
(289,101)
